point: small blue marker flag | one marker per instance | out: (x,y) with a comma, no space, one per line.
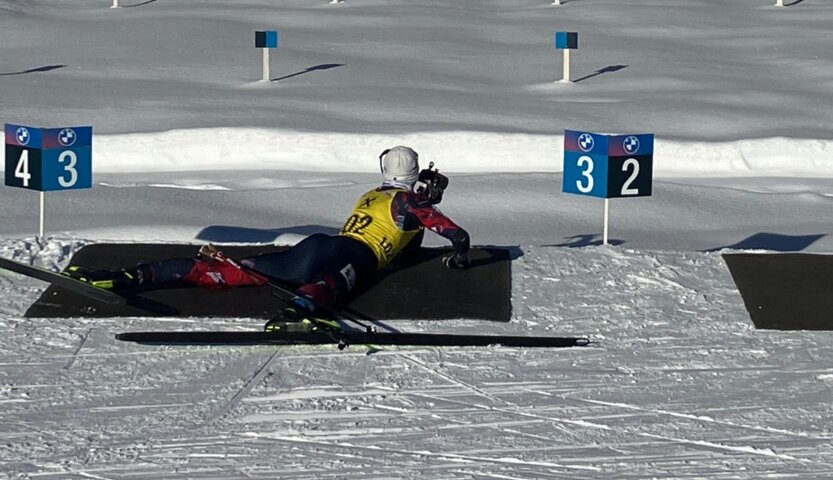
(266,39)
(566,40)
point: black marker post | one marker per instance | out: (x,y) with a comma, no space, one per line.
(266,40)
(566,41)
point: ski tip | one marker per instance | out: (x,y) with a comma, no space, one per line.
(138,337)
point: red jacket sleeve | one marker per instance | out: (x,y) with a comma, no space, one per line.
(433,219)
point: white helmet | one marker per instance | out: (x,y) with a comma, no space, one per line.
(399,164)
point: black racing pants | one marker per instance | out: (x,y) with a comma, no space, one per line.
(345,260)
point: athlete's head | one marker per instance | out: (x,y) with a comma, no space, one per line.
(399,164)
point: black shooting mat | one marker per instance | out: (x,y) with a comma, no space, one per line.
(785,291)
(422,289)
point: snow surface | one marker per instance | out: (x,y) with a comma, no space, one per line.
(190,147)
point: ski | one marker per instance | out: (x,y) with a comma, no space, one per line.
(344,338)
(63,281)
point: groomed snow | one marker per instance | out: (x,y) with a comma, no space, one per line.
(189,147)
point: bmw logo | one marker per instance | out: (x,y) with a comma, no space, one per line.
(23,136)
(631,144)
(66,137)
(585,142)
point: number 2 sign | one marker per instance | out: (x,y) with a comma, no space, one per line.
(608,166)
(48,159)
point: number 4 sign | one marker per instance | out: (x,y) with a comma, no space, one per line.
(608,166)
(48,159)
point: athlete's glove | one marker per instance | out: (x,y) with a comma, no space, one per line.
(457,261)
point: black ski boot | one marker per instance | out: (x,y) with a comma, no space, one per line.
(122,279)
(299,318)
(289,321)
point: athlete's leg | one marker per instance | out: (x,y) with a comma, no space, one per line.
(342,264)
(199,271)
(292,266)
(195,271)
(295,265)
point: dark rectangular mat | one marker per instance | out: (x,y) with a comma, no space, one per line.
(785,291)
(424,289)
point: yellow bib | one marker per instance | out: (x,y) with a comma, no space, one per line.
(372,223)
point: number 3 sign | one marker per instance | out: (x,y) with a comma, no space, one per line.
(48,159)
(608,166)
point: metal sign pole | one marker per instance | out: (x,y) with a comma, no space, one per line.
(566,66)
(265,64)
(42,205)
(606,221)
(115,4)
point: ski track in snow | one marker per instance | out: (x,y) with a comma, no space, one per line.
(679,385)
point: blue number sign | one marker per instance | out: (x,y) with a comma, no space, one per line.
(608,166)
(48,159)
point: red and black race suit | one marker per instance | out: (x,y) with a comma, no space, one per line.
(390,220)
(386,222)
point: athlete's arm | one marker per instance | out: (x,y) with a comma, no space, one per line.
(433,219)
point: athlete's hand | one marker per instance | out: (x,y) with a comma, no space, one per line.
(455,261)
